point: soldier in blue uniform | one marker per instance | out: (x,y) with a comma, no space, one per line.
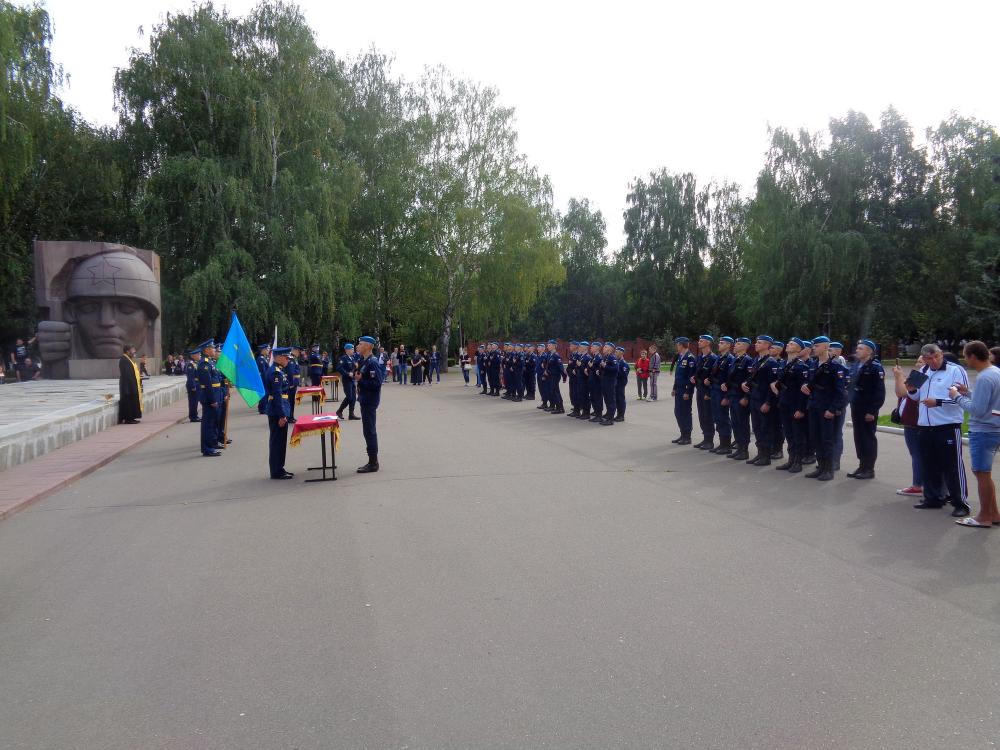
(191,374)
(702,380)
(869,395)
(583,380)
(738,401)
(792,404)
(346,367)
(530,363)
(819,347)
(496,358)
(683,390)
(210,395)
(220,427)
(263,355)
(836,352)
(572,376)
(775,425)
(279,412)
(762,373)
(554,373)
(544,387)
(621,384)
(369,383)
(481,368)
(594,381)
(609,381)
(293,375)
(315,366)
(718,378)
(827,391)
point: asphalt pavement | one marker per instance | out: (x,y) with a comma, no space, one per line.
(509,579)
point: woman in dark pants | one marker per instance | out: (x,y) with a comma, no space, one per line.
(415,368)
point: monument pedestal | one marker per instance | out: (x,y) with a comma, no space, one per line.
(88,369)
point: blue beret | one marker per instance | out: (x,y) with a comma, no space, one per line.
(620,348)
(682,340)
(574,343)
(367,339)
(281,350)
(193,351)
(806,343)
(264,346)
(796,340)
(482,346)
(727,338)
(768,339)
(296,346)
(836,345)
(779,344)
(348,345)
(610,343)
(552,341)
(584,343)
(744,339)
(705,337)
(821,340)
(869,343)
(206,344)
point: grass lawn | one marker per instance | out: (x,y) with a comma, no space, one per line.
(886,422)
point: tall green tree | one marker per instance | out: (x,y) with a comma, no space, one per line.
(486,214)
(236,126)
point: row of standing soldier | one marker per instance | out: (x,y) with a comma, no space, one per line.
(596,373)
(802,400)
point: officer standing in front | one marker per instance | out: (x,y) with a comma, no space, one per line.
(369,383)
(279,413)
(346,366)
(869,395)
(191,374)
(210,394)
(683,390)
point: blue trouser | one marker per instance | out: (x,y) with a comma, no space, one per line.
(315,378)
(277,444)
(608,391)
(795,431)
(596,398)
(620,398)
(776,428)
(402,374)
(912,437)
(291,401)
(350,395)
(720,415)
(209,428)
(705,413)
(761,424)
(529,384)
(822,434)
(220,422)
(368,426)
(682,413)
(465,374)
(435,369)
(479,380)
(262,404)
(555,395)
(740,420)
(193,406)
(519,383)
(865,440)
(838,437)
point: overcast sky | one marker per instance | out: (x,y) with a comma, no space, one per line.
(608,91)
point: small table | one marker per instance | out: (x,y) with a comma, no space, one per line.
(323,425)
(334,381)
(316,392)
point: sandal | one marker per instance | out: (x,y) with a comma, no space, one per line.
(972,523)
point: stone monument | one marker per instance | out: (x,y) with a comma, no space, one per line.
(93,298)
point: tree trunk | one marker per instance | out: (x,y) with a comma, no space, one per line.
(867,316)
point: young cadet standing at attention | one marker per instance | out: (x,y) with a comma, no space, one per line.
(827,391)
(210,393)
(279,413)
(739,403)
(704,363)
(720,405)
(263,354)
(609,381)
(293,374)
(594,381)
(369,383)
(762,373)
(553,374)
(346,366)
(583,376)
(315,366)
(792,405)
(530,363)
(191,373)
(868,385)
(571,372)
(683,389)
(622,382)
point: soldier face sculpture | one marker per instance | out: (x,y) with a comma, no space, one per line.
(109,301)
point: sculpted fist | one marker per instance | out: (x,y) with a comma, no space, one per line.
(54,339)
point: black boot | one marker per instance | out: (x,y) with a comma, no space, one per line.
(371,467)
(853,474)
(763,459)
(777,455)
(809,458)
(684,440)
(725,446)
(814,474)
(708,445)
(796,466)
(742,454)
(827,474)
(787,466)
(351,416)
(340,413)
(866,472)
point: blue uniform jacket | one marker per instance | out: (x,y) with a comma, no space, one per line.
(276,383)
(191,373)
(315,364)
(209,382)
(762,373)
(623,371)
(869,387)
(684,370)
(345,366)
(720,371)
(793,376)
(829,387)
(609,367)
(370,384)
